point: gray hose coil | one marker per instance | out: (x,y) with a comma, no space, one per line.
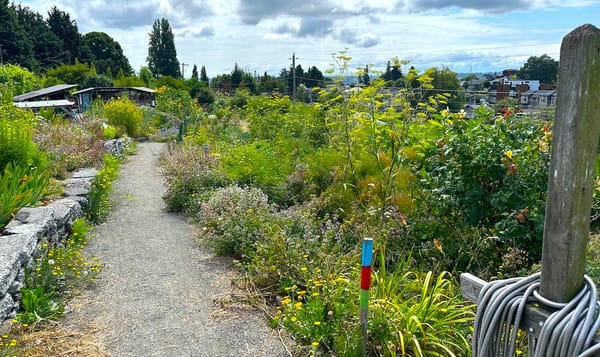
(567,332)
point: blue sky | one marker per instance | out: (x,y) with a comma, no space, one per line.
(261,35)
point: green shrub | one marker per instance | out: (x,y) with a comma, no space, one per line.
(491,176)
(261,164)
(20,186)
(16,143)
(124,113)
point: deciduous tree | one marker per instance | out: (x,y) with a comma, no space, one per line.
(106,53)
(543,68)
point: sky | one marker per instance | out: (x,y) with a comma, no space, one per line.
(262,35)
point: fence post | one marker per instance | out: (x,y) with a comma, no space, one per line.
(572,165)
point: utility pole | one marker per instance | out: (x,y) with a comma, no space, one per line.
(183,65)
(294,77)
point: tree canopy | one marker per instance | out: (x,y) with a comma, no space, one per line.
(106,54)
(162,54)
(543,68)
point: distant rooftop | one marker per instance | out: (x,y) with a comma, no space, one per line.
(40,93)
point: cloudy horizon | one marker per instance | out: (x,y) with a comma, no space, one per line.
(261,35)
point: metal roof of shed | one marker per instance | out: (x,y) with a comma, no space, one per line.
(43,92)
(45,104)
(114,89)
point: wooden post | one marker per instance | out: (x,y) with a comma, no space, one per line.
(572,165)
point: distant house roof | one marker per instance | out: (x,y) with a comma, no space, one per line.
(40,93)
(114,89)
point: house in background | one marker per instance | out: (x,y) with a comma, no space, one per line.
(141,96)
(538,98)
(55,97)
(503,87)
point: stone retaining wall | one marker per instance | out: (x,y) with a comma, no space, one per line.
(32,227)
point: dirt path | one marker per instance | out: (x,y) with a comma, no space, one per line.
(155,296)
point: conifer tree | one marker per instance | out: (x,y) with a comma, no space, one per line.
(162,55)
(203,76)
(195,73)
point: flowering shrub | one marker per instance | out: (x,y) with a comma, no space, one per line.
(124,113)
(191,175)
(68,146)
(233,219)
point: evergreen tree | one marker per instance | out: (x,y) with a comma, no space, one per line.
(66,30)
(314,77)
(203,76)
(162,55)
(195,73)
(45,43)
(236,76)
(387,75)
(15,45)
(365,79)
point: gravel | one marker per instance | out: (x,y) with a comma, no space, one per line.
(157,292)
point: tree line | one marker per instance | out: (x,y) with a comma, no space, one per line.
(52,46)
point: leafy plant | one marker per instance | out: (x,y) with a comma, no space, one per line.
(20,186)
(16,144)
(36,305)
(98,204)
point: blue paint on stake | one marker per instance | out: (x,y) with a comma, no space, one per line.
(367,252)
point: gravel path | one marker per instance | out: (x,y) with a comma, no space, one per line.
(156,294)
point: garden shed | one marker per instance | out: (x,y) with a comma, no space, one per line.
(56,97)
(141,96)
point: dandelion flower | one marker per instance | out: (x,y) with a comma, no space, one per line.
(304,269)
(315,344)
(317,323)
(293,319)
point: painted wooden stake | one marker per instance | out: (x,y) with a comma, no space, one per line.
(365,285)
(572,174)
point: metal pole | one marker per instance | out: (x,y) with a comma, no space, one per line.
(365,285)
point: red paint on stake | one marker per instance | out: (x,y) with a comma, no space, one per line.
(365,278)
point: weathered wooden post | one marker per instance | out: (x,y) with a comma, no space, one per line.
(568,209)
(572,165)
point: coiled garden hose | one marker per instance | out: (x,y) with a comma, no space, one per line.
(569,331)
